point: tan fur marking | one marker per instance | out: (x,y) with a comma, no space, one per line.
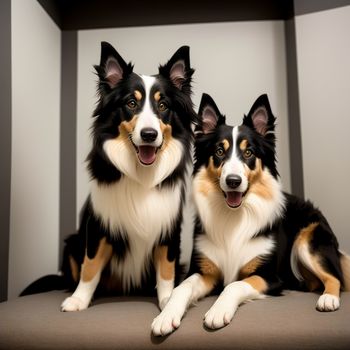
(127,127)
(209,281)
(211,274)
(138,95)
(257,283)
(166,267)
(157,96)
(243,145)
(74,268)
(305,234)
(259,182)
(214,173)
(95,265)
(210,178)
(249,268)
(331,283)
(166,130)
(225,144)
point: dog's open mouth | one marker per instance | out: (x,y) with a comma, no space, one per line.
(234,198)
(147,154)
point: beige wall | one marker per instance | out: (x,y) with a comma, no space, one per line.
(323,47)
(235,63)
(35,145)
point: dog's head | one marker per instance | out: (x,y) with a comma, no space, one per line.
(235,162)
(143,121)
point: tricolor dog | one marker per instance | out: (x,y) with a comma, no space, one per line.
(129,236)
(251,239)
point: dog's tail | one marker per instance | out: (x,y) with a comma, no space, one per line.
(46,284)
(345,266)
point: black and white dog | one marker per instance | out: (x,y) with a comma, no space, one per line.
(250,238)
(129,236)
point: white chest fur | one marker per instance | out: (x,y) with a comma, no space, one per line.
(233,253)
(141,214)
(229,239)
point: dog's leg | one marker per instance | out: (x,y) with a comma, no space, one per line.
(314,259)
(165,274)
(190,290)
(329,300)
(89,278)
(235,293)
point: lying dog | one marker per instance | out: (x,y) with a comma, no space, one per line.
(250,238)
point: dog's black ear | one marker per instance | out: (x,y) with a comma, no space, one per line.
(112,67)
(209,116)
(178,69)
(260,116)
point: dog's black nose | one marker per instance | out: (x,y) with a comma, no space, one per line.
(149,134)
(233,181)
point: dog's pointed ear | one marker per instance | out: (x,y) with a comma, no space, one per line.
(178,69)
(209,116)
(260,116)
(112,68)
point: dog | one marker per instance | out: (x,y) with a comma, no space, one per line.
(251,239)
(128,242)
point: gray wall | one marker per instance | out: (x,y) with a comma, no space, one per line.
(36,53)
(323,47)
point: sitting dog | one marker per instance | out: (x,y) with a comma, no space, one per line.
(129,236)
(130,227)
(251,239)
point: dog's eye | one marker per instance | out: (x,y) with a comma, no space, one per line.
(219,152)
(132,104)
(247,153)
(162,106)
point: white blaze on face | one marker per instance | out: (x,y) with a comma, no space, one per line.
(234,166)
(147,118)
(147,136)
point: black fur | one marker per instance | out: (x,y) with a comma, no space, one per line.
(117,84)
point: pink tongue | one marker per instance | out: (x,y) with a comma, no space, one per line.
(147,154)
(233,199)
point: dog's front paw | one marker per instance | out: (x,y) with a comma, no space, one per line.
(163,302)
(219,315)
(74,304)
(327,302)
(166,322)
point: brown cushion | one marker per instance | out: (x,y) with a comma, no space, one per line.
(287,322)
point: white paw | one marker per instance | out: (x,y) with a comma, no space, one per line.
(219,315)
(163,302)
(328,302)
(166,322)
(74,304)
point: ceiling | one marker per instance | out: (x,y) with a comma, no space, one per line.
(89,14)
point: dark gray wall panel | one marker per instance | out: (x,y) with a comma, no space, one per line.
(68,135)
(308,6)
(5,142)
(82,14)
(296,159)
